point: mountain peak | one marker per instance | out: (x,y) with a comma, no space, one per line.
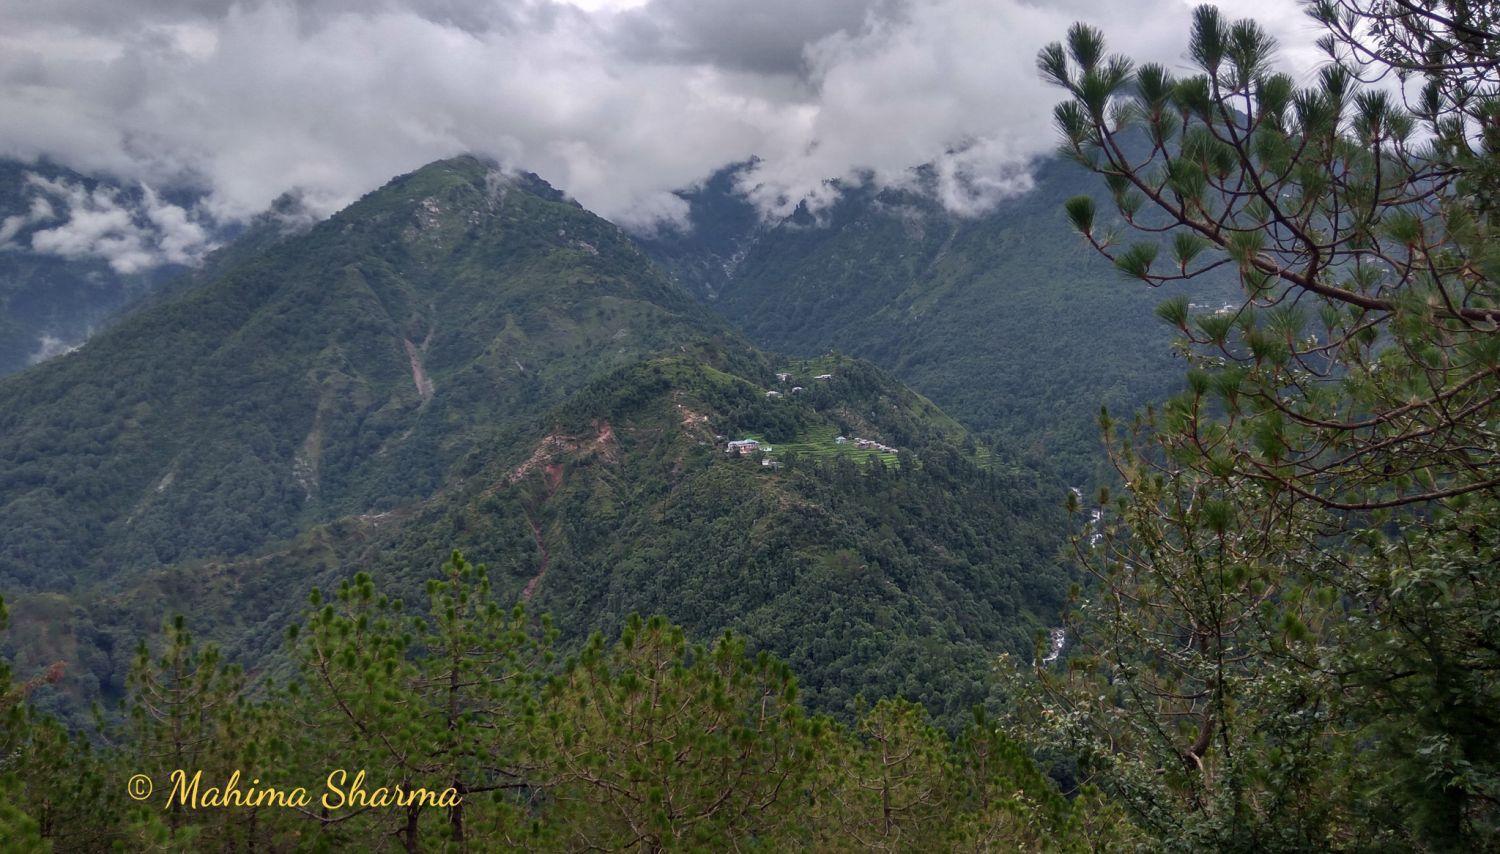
(470,172)
(346,368)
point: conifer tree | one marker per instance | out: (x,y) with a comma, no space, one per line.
(53,787)
(15,823)
(1288,626)
(656,743)
(189,720)
(434,703)
(895,789)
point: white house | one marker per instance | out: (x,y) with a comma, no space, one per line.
(773,394)
(742,446)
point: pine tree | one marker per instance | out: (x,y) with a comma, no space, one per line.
(189,719)
(892,786)
(660,744)
(15,823)
(1289,643)
(433,703)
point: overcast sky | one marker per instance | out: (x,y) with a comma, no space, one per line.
(615,101)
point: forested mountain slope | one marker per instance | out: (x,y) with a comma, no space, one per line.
(873,573)
(465,359)
(347,370)
(870,573)
(1006,320)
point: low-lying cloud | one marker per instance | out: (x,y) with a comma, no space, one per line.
(39,210)
(131,234)
(617,106)
(50,346)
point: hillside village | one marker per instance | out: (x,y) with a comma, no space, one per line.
(748,446)
(821,445)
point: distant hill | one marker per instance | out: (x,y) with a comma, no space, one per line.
(466,359)
(1007,320)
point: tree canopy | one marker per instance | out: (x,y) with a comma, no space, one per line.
(1293,639)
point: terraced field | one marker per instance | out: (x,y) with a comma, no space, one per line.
(819,443)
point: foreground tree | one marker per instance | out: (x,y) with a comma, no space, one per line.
(657,743)
(1294,641)
(435,702)
(1358,371)
(15,824)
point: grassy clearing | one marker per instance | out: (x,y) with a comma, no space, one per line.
(818,443)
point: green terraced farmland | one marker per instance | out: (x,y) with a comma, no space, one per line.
(818,442)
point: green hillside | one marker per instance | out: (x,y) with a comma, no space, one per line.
(468,360)
(870,579)
(866,577)
(1006,320)
(347,370)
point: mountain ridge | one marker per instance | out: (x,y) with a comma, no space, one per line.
(1005,318)
(464,359)
(319,356)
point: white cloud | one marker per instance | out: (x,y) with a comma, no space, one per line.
(606,5)
(974,178)
(99,223)
(617,105)
(179,240)
(39,211)
(954,83)
(49,346)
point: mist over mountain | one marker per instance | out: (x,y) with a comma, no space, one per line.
(467,358)
(315,369)
(75,250)
(617,102)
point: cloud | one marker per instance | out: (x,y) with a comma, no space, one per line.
(179,239)
(49,346)
(768,37)
(39,211)
(129,235)
(974,178)
(618,104)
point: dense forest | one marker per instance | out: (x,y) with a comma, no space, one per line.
(466,360)
(873,577)
(455,726)
(314,366)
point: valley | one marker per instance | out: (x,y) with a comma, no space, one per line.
(466,360)
(901,427)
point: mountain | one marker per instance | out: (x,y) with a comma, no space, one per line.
(74,251)
(1005,319)
(302,383)
(467,359)
(871,572)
